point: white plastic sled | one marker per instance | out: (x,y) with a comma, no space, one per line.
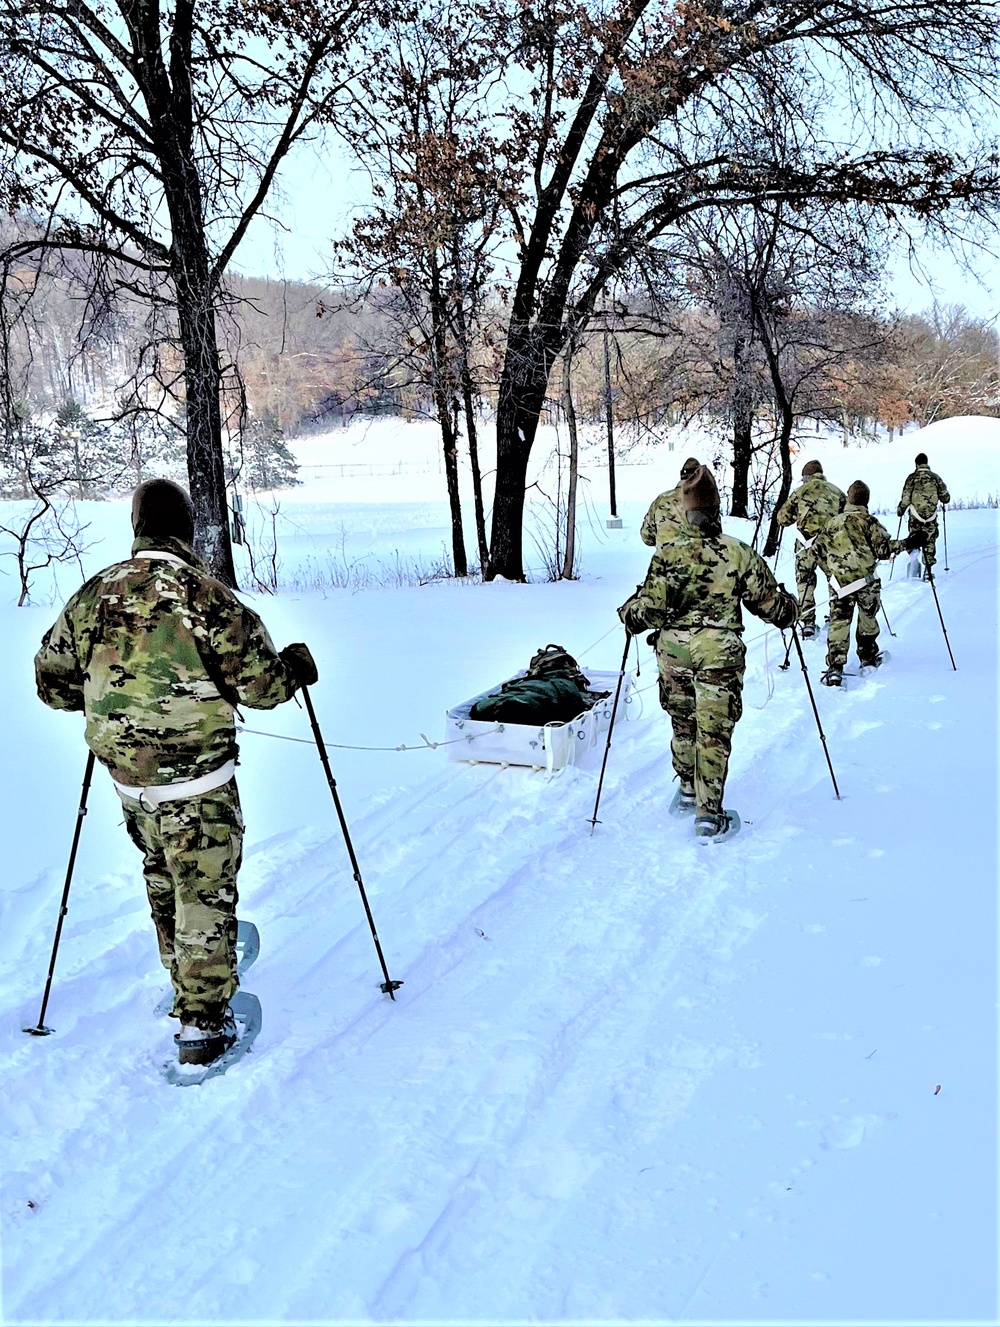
(551,746)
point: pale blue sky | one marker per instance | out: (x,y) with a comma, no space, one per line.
(321,190)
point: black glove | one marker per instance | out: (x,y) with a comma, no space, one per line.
(901,509)
(631,614)
(300,663)
(787,611)
(915,540)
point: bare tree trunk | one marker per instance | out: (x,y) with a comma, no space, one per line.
(609,422)
(521,397)
(787,416)
(468,402)
(202,380)
(472,437)
(742,417)
(574,466)
(447,412)
(172,114)
(449,442)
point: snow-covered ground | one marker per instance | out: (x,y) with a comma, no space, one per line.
(628,1076)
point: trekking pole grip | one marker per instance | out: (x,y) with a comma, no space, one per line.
(388,987)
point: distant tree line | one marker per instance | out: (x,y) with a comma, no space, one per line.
(676,178)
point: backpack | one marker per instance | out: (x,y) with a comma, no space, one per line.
(553,690)
(556,659)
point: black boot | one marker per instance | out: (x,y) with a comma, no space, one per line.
(200,1046)
(719,827)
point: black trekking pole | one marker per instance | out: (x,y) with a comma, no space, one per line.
(937,603)
(594,822)
(40,1030)
(812,698)
(892,564)
(777,551)
(944,522)
(784,667)
(388,986)
(886,616)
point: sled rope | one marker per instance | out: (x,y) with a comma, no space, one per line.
(428,745)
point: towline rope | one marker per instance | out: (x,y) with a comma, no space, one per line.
(428,745)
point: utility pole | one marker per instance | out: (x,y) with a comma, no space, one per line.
(614,522)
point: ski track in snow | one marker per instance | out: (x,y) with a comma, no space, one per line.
(506,1139)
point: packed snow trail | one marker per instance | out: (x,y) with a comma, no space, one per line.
(628,1075)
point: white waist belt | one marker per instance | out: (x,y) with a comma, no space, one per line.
(159,793)
(844,590)
(924,520)
(807,543)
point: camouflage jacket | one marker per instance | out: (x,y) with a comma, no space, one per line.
(852,544)
(811,506)
(697,581)
(157,653)
(664,517)
(923,490)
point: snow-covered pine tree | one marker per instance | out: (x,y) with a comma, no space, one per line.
(265,460)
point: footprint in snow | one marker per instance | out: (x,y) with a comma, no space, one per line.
(851,1131)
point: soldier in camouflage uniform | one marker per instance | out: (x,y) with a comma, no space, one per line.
(691,598)
(848,551)
(813,504)
(922,492)
(666,513)
(157,654)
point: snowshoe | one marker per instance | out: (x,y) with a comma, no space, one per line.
(808,630)
(716,829)
(833,677)
(246,1014)
(196,1046)
(866,666)
(684,801)
(247,946)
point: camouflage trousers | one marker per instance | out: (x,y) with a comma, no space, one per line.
(838,641)
(191,852)
(701,686)
(930,531)
(805,584)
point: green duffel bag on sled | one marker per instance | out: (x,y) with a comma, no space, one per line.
(553,690)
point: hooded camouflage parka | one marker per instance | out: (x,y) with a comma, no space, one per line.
(698,581)
(157,654)
(812,505)
(693,597)
(665,516)
(923,490)
(852,544)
